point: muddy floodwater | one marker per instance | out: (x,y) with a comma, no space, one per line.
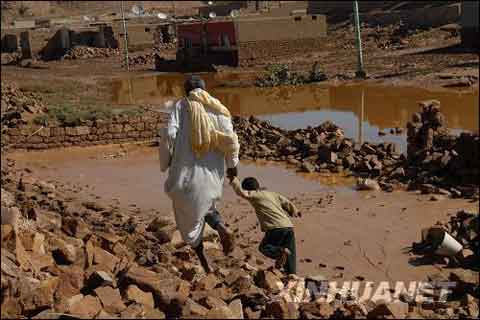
(360,110)
(111,171)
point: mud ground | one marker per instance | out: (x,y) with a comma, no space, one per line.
(424,58)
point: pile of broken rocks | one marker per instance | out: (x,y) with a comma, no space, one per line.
(79,52)
(320,149)
(62,256)
(436,161)
(143,59)
(18,106)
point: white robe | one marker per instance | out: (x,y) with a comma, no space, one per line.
(194,185)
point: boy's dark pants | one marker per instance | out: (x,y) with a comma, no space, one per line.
(273,243)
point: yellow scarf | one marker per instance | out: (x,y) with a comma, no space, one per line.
(205,137)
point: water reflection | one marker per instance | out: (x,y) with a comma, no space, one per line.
(360,110)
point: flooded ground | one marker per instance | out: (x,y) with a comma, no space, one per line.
(360,110)
(342,234)
(111,171)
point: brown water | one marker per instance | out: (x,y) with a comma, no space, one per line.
(359,109)
(135,176)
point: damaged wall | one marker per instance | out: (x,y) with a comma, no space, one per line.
(280,36)
(121,130)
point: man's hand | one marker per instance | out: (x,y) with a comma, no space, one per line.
(232,172)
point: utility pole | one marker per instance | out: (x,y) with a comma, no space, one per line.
(360,71)
(127,64)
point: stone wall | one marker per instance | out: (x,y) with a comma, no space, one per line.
(119,130)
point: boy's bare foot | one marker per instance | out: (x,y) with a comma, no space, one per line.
(282,260)
(227,239)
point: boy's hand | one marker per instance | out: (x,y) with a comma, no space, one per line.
(297,214)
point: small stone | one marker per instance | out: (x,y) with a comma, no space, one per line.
(88,307)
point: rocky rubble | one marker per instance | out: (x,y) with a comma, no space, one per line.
(436,161)
(66,257)
(143,59)
(90,52)
(320,149)
(10,58)
(465,228)
(17,106)
(438,158)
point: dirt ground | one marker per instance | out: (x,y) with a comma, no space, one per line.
(392,56)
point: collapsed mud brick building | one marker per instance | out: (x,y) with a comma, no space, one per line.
(237,41)
(52,38)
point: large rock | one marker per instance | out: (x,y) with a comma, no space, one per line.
(163,286)
(191,308)
(75,227)
(281,309)
(110,299)
(66,303)
(220,313)
(88,307)
(399,310)
(41,297)
(105,258)
(64,253)
(70,284)
(207,283)
(163,228)
(268,280)
(134,294)
(99,278)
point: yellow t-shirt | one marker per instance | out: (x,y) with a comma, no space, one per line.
(272,209)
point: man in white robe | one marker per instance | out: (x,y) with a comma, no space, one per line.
(195,181)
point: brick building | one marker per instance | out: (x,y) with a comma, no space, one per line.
(237,41)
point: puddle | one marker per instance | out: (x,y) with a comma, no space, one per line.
(136,176)
(360,110)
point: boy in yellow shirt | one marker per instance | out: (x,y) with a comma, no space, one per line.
(273,211)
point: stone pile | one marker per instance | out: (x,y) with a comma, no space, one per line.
(90,52)
(436,161)
(464,227)
(436,157)
(18,106)
(10,58)
(143,59)
(320,149)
